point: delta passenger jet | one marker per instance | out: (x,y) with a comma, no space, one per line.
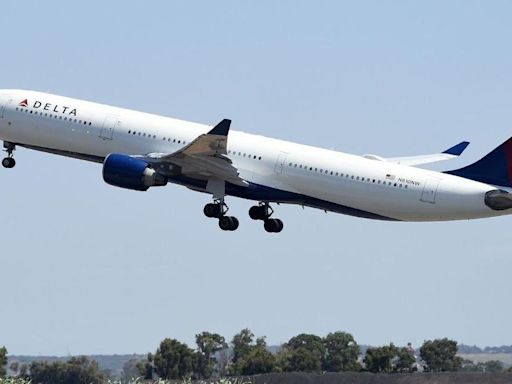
(139,150)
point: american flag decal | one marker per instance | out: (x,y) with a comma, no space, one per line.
(390,177)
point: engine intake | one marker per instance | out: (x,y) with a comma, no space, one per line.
(131,173)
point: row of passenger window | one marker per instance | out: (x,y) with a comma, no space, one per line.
(52,116)
(347,176)
(143,134)
(168,139)
(243,154)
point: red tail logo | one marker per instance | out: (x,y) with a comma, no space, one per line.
(24,103)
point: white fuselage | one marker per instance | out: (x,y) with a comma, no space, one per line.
(282,171)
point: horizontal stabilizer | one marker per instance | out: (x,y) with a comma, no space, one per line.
(448,154)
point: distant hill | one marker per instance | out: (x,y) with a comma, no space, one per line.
(468,349)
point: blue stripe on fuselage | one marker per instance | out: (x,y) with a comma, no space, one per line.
(263,193)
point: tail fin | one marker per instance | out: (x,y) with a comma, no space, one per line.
(495,168)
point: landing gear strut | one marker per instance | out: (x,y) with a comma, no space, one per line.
(9,161)
(218,210)
(263,211)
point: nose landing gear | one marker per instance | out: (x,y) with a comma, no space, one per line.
(9,161)
(263,211)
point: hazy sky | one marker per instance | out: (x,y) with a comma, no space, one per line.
(88,268)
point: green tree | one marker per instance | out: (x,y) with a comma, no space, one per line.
(494,366)
(440,355)
(207,345)
(173,360)
(312,343)
(299,360)
(405,360)
(249,357)
(77,370)
(3,361)
(302,353)
(379,359)
(242,343)
(259,360)
(146,368)
(341,352)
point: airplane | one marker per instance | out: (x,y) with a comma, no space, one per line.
(139,150)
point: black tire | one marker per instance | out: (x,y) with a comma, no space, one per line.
(235,224)
(273,225)
(258,212)
(212,210)
(8,162)
(269,225)
(226,223)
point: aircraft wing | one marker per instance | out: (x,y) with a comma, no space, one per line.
(203,158)
(450,153)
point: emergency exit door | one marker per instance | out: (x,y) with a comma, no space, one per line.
(110,124)
(430,190)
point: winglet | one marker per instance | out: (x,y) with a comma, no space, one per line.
(221,129)
(457,150)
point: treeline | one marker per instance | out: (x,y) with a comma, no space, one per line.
(247,355)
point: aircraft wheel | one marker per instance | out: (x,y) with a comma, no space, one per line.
(212,210)
(273,225)
(258,212)
(228,223)
(8,162)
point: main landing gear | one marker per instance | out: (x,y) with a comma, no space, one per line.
(263,211)
(9,161)
(218,210)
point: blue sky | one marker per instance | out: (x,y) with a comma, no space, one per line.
(87,268)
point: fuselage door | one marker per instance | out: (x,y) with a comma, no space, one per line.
(430,190)
(110,124)
(280,163)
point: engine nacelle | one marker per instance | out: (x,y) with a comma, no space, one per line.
(131,173)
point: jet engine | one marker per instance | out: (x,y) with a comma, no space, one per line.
(131,173)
